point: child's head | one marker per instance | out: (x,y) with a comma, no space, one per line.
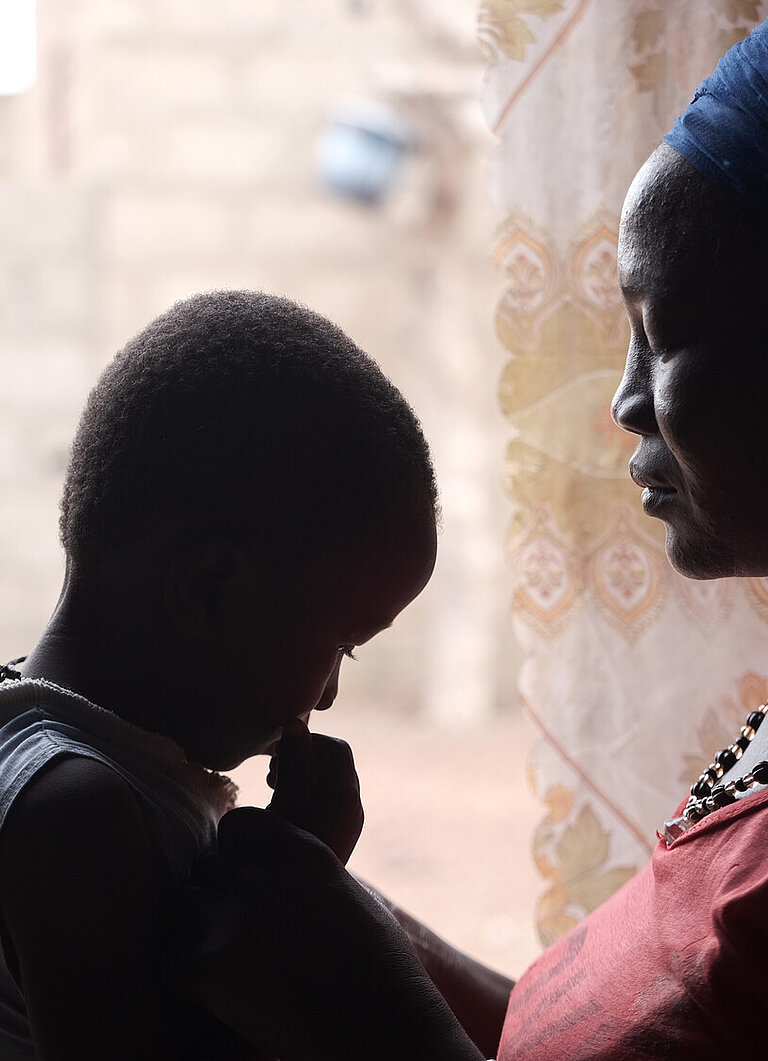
(272,492)
(241,414)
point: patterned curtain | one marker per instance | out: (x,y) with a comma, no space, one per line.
(633,675)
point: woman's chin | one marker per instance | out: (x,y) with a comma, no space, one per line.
(700,559)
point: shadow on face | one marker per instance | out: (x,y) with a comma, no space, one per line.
(262,645)
(693,276)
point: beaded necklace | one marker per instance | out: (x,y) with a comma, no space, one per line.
(706,795)
(8,670)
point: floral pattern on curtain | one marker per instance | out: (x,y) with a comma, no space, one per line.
(633,675)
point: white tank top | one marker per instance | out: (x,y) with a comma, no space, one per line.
(181,802)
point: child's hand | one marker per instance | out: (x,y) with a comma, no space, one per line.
(317,788)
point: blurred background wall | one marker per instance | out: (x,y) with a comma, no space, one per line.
(170,146)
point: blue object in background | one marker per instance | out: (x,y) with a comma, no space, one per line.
(361,151)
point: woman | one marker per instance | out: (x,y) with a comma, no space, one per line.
(676,961)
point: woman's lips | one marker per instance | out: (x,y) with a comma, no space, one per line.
(656,498)
(657,493)
(647,480)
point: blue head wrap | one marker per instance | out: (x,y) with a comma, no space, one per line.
(724,131)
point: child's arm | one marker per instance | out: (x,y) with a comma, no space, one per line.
(476,994)
(285,947)
(316,788)
(79,896)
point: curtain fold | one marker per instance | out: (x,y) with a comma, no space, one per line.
(633,675)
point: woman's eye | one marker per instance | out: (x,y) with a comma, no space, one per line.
(347,650)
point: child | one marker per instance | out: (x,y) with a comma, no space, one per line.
(248,498)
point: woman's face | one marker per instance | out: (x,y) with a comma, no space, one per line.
(696,378)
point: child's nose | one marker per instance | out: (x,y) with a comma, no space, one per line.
(331,688)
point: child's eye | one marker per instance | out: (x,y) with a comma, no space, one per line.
(346,650)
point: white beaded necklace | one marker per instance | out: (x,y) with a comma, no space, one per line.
(706,794)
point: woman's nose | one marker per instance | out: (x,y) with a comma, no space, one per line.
(632,407)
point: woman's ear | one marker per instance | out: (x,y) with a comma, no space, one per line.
(203,584)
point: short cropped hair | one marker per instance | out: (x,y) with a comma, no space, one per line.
(246,415)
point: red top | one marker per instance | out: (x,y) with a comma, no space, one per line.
(674,964)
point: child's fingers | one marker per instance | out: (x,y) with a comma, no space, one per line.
(316,787)
(334,763)
(338,811)
(293,772)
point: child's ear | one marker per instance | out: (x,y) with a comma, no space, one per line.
(202,583)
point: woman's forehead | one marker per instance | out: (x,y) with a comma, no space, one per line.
(651,242)
(659,204)
(679,230)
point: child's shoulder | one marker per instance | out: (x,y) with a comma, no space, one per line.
(71,795)
(74,818)
(79,894)
(58,797)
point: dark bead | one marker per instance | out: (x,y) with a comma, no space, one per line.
(711,774)
(741,784)
(742,742)
(726,759)
(755,719)
(701,789)
(720,797)
(760,773)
